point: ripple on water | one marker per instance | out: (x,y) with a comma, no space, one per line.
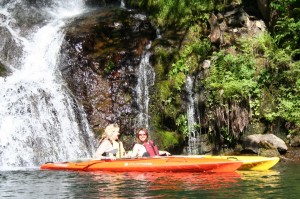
(282,182)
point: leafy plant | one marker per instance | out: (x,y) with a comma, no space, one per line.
(182,124)
(110,66)
(287,27)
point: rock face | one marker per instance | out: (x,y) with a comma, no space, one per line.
(263,6)
(233,24)
(102,51)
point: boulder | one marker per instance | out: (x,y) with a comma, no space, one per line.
(294,140)
(256,142)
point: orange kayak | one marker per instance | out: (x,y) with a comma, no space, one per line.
(150,164)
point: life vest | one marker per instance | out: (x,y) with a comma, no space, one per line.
(120,151)
(120,147)
(151,148)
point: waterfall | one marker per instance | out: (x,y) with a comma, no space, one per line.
(39,120)
(146,77)
(123,4)
(193,136)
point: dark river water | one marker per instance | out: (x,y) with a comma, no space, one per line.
(283,181)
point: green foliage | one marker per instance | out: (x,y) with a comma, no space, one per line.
(227,136)
(282,5)
(192,54)
(280,77)
(184,63)
(289,96)
(179,81)
(166,100)
(287,27)
(231,76)
(179,67)
(262,71)
(180,13)
(182,124)
(110,66)
(164,91)
(287,34)
(167,139)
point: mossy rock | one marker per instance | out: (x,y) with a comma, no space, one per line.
(166,139)
(267,103)
(163,90)
(269,152)
(178,81)
(3,70)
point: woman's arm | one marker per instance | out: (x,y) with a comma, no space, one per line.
(104,146)
(135,151)
(138,151)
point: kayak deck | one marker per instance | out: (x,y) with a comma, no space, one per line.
(152,164)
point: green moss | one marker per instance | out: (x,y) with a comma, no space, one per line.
(163,91)
(109,67)
(166,139)
(2,70)
(267,104)
(178,14)
(178,81)
(163,59)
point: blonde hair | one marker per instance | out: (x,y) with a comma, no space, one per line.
(109,131)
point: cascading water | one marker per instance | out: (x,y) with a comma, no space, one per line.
(146,77)
(123,4)
(39,120)
(193,136)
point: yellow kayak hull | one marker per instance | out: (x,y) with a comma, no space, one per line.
(253,163)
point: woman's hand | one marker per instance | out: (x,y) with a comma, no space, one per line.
(166,153)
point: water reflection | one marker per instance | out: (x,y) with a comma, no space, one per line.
(266,184)
(282,182)
(139,184)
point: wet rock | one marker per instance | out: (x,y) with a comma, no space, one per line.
(11,50)
(103,51)
(3,71)
(294,140)
(102,2)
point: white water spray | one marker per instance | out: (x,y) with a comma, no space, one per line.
(146,77)
(123,4)
(39,120)
(192,147)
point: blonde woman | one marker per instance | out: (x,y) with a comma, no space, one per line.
(110,146)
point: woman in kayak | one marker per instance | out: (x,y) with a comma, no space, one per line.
(110,146)
(145,147)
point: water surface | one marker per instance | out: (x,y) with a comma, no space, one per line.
(280,182)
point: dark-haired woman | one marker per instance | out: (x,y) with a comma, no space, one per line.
(145,147)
